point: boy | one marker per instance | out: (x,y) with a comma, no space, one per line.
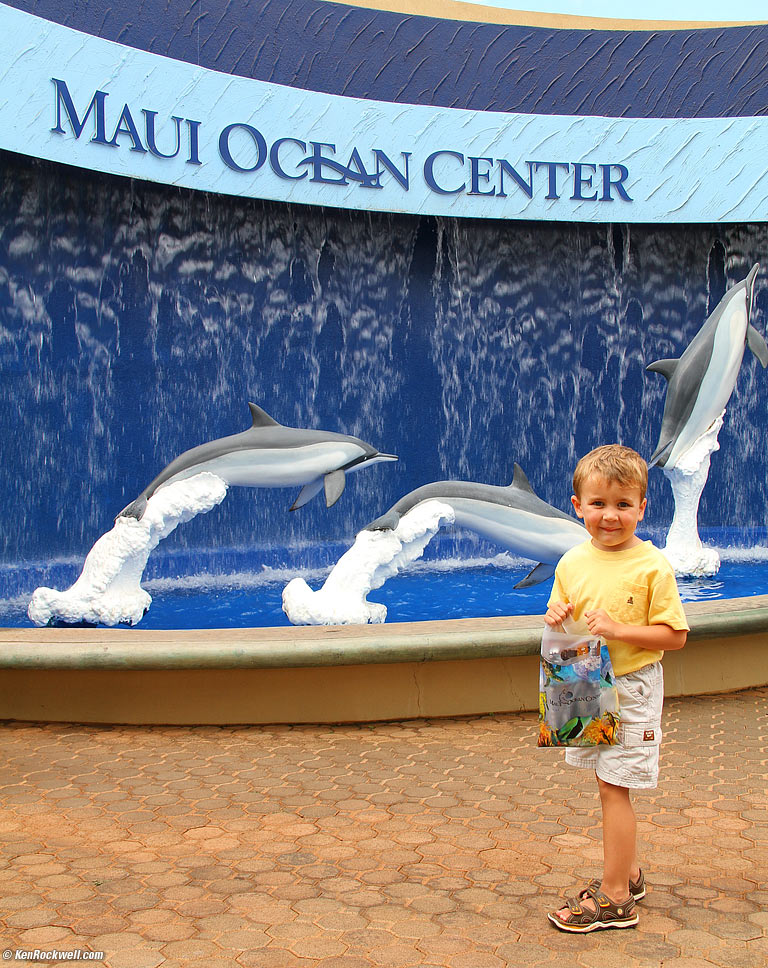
(624,589)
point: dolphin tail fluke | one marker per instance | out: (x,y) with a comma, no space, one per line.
(757,344)
(660,455)
(307,493)
(540,573)
(334,486)
(135,509)
(387,522)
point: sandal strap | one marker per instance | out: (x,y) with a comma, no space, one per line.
(579,915)
(635,887)
(608,910)
(574,906)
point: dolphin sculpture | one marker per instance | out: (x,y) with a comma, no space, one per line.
(700,383)
(513,516)
(270,455)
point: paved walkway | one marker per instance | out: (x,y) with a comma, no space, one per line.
(429,843)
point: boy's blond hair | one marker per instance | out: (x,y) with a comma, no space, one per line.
(613,462)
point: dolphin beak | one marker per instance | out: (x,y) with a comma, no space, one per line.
(365,460)
(751,287)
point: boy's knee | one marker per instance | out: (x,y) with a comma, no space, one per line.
(611,789)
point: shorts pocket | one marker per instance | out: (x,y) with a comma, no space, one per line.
(639,735)
(641,694)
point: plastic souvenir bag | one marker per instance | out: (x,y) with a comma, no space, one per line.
(578,700)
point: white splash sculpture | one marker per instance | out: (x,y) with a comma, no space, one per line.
(684,548)
(373,558)
(108,591)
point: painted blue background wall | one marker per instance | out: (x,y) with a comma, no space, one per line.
(137,321)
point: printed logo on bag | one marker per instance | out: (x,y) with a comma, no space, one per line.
(648,736)
(630,600)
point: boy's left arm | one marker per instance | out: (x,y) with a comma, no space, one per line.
(655,637)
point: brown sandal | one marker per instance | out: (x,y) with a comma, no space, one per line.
(636,888)
(607,914)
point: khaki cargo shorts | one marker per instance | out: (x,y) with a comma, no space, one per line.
(634,761)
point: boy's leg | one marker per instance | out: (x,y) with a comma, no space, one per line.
(619,840)
(619,846)
(636,759)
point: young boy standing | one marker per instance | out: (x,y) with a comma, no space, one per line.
(624,589)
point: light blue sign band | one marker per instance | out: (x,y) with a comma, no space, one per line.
(73,98)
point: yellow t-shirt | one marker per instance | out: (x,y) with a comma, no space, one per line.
(636,587)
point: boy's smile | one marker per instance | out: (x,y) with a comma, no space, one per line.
(610,511)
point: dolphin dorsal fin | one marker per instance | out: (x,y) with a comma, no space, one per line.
(520,481)
(261,418)
(665,367)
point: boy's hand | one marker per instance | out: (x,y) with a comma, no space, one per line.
(599,622)
(557,613)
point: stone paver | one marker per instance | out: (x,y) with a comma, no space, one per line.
(433,844)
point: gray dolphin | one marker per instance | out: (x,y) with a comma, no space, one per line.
(270,455)
(513,516)
(700,383)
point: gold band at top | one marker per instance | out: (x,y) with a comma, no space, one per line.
(457,10)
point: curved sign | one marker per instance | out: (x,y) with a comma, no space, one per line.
(78,99)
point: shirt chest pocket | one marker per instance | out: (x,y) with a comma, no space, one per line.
(629,604)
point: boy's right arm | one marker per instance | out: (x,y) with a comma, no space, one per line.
(558,609)
(556,614)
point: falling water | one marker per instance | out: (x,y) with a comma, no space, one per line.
(137,321)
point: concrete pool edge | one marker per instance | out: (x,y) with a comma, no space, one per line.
(333,674)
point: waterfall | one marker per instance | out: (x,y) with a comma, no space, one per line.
(137,321)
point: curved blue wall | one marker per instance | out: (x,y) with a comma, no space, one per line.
(411,59)
(137,320)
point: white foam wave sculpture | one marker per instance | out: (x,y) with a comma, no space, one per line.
(108,591)
(374,557)
(684,550)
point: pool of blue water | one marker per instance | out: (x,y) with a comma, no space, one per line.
(415,597)
(242,588)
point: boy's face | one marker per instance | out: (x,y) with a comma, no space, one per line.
(610,511)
